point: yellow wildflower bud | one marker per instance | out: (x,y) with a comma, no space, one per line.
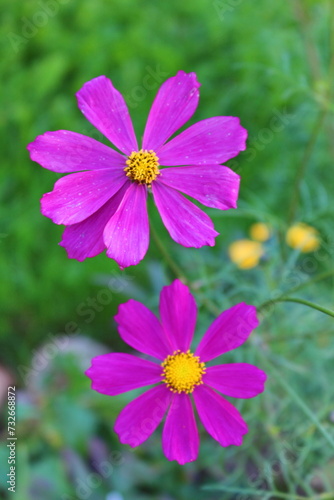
(260,231)
(245,253)
(302,237)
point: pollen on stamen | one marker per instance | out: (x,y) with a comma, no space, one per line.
(142,166)
(182,372)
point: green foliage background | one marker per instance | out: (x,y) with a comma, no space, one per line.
(265,62)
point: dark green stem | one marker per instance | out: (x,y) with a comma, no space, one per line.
(298,301)
(316,75)
(178,273)
(176,270)
(319,277)
(304,162)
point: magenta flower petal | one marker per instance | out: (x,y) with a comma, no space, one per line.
(106,109)
(64,151)
(211,141)
(187,224)
(178,313)
(139,419)
(219,417)
(77,196)
(180,439)
(127,233)
(85,239)
(116,373)
(237,380)
(174,104)
(213,185)
(141,329)
(230,330)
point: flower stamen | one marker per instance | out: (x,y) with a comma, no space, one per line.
(142,166)
(182,371)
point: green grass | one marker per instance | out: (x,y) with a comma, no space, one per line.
(265,62)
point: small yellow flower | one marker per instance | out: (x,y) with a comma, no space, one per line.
(302,237)
(245,253)
(260,231)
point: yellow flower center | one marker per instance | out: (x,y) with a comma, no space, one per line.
(182,371)
(142,166)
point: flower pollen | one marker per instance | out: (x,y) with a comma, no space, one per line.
(142,166)
(182,371)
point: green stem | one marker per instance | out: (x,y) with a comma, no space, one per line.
(319,277)
(298,301)
(178,273)
(304,162)
(316,75)
(176,270)
(311,50)
(309,304)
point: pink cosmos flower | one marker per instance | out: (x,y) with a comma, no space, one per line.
(181,376)
(103,204)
